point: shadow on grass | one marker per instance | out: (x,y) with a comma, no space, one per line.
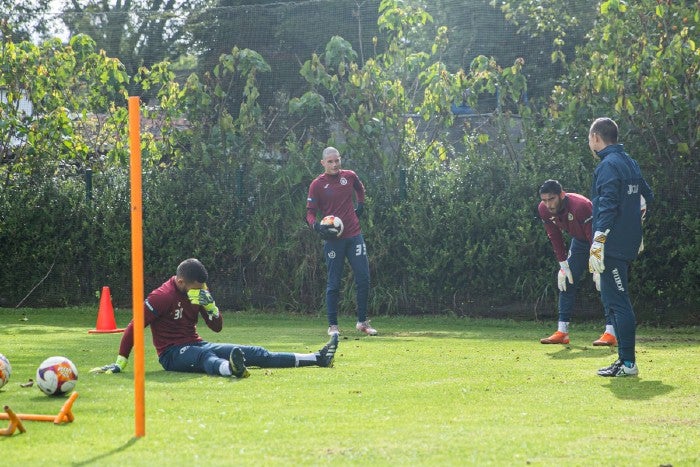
(570,352)
(636,389)
(116,450)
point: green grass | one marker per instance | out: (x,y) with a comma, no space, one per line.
(427,391)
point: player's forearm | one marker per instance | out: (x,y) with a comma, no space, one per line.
(215,323)
(310,216)
(127,342)
(557,241)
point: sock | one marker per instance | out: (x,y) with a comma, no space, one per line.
(225,369)
(628,363)
(305,359)
(610,329)
(563,327)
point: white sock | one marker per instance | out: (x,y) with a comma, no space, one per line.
(563,327)
(610,329)
(305,359)
(225,369)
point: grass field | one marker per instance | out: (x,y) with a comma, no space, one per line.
(427,391)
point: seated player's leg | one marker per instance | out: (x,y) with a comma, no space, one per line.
(192,358)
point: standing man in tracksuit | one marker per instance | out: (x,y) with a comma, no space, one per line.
(331,193)
(617,225)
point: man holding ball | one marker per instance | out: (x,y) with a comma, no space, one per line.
(331,194)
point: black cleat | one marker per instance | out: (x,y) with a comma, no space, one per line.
(618,369)
(237,363)
(324,357)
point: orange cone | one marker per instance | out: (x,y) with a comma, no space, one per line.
(105,315)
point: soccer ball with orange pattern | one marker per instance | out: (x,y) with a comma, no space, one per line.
(335,223)
(56,376)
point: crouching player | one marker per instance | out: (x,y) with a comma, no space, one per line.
(571,213)
(172,311)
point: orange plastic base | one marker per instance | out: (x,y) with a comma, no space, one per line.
(64,415)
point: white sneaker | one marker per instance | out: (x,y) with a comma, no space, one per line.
(333,329)
(366,328)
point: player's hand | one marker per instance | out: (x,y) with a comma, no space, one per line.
(564,275)
(596,260)
(643,210)
(203,298)
(116,367)
(326,232)
(359,209)
(596,280)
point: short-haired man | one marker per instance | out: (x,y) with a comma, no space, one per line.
(571,213)
(172,311)
(331,193)
(616,193)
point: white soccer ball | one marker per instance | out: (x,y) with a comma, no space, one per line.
(334,222)
(56,376)
(5,370)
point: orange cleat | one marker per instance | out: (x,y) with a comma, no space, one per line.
(556,338)
(606,339)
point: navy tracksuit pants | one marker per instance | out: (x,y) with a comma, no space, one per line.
(615,295)
(336,251)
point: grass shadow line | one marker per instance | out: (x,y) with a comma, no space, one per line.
(571,352)
(114,451)
(636,389)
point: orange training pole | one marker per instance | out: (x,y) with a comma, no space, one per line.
(137,264)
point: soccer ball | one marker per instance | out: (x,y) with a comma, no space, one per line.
(56,376)
(335,222)
(5,370)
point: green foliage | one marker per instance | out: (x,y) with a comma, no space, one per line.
(450,219)
(138,33)
(650,86)
(21,20)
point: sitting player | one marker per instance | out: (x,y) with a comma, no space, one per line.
(172,311)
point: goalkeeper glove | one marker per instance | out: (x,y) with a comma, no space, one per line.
(326,232)
(116,367)
(203,298)
(564,275)
(596,280)
(643,209)
(596,260)
(359,209)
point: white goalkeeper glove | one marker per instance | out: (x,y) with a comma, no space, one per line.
(596,260)
(564,275)
(596,280)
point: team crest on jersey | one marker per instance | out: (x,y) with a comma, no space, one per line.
(343,181)
(571,217)
(331,254)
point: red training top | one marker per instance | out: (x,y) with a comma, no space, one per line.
(575,218)
(173,319)
(332,195)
